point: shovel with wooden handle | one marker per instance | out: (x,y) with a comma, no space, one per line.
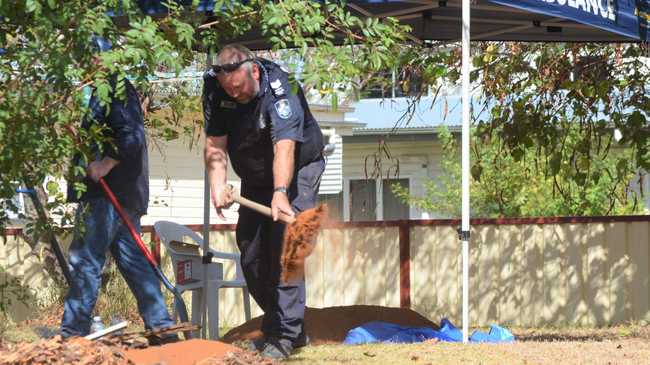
(262,209)
(299,236)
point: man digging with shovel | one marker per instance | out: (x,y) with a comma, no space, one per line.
(275,146)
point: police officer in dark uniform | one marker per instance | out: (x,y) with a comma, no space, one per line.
(256,118)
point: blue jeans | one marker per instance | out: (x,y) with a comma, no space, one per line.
(103,231)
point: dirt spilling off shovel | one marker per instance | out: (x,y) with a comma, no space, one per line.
(299,236)
(299,241)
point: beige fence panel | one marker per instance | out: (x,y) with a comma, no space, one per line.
(537,274)
(619,273)
(487,296)
(24,280)
(597,291)
(531,278)
(529,274)
(638,238)
(424,296)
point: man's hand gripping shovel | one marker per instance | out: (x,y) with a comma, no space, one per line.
(299,236)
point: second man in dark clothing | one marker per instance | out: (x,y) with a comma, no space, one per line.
(254,116)
(123,163)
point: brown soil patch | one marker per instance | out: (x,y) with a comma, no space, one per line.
(331,325)
(182,353)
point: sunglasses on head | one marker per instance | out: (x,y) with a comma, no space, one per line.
(230,67)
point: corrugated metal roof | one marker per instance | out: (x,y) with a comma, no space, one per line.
(402,131)
(407,113)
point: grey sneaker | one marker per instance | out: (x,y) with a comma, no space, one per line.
(257,344)
(277,348)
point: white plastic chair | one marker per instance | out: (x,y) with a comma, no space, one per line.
(183,246)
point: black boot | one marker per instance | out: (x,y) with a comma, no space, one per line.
(302,340)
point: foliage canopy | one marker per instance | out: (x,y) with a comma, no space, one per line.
(48,59)
(545,120)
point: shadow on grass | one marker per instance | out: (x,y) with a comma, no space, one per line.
(618,332)
(559,337)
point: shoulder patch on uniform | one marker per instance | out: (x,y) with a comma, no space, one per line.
(283,108)
(277,87)
(228,104)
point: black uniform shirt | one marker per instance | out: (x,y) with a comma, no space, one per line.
(276,113)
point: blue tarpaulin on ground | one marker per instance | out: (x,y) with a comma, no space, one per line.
(376,331)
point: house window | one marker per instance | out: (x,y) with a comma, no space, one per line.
(334,203)
(392,207)
(366,205)
(363,200)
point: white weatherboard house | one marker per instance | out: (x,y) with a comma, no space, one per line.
(408,155)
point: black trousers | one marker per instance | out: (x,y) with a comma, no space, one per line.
(260,243)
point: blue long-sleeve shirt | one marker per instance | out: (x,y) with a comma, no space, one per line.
(129,179)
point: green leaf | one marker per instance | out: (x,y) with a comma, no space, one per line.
(476,172)
(554,163)
(32,6)
(52,188)
(583,163)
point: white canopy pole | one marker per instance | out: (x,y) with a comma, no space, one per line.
(464,233)
(206,229)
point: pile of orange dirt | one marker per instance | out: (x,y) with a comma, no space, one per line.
(331,325)
(56,351)
(188,352)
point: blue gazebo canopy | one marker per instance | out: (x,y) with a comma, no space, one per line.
(497,20)
(628,18)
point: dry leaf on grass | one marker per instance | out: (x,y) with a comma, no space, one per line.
(57,351)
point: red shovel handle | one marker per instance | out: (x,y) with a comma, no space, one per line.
(127,221)
(179,303)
